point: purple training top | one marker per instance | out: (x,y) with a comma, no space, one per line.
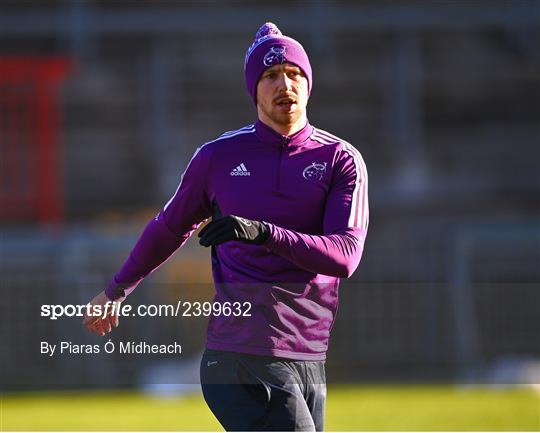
(311,189)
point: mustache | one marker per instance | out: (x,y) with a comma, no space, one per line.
(284,98)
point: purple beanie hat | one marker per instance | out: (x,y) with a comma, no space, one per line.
(270,48)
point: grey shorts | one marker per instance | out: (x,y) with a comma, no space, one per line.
(249,392)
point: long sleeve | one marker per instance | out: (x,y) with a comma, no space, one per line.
(337,252)
(169,230)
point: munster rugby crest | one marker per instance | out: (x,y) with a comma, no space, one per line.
(275,56)
(314,171)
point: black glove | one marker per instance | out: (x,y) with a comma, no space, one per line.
(233,228)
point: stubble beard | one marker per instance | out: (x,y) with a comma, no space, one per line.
(286,119)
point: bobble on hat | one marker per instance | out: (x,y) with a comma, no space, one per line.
(267,29)
(271,47)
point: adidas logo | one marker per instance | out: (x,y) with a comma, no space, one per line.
(241,170)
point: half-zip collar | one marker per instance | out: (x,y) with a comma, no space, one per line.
(270,136)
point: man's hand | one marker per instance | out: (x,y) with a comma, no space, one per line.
(107,318)
(233,228)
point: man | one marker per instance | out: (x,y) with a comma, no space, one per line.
(289,215)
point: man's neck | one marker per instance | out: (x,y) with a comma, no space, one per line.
(286,130)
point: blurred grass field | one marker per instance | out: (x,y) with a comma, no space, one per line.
(349,408)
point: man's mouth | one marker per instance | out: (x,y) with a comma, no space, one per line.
(286,102)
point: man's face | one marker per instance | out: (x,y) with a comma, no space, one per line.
(282,95)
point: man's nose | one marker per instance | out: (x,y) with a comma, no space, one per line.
(284,82)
